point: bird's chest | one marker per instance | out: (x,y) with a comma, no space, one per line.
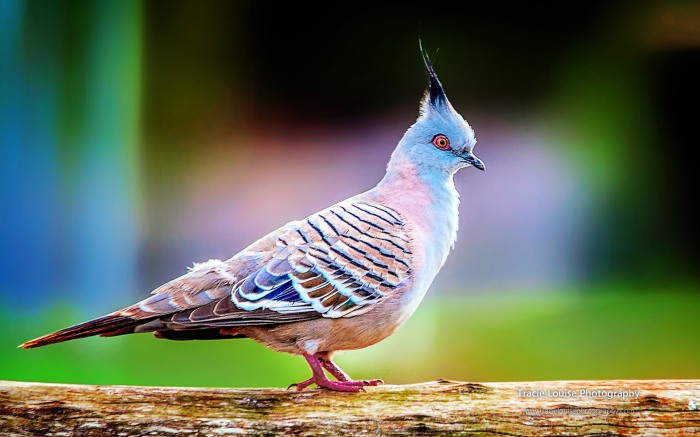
(434,234)
(432,221)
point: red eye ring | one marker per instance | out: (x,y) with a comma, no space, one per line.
(441,142)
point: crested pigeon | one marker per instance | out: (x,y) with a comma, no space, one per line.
(343,278)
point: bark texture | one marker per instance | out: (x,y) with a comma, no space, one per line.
(663,407)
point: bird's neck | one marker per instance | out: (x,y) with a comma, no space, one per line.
(404,177)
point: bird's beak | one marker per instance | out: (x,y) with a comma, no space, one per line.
(472,160)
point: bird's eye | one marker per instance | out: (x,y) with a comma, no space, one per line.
(441,142)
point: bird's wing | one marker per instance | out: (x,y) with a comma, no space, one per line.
(336,263)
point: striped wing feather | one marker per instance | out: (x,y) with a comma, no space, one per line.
(336,263)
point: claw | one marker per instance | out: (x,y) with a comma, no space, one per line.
(302,385)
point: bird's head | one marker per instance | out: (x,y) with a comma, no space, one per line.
(440,140)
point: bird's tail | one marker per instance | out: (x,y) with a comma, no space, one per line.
(109,325)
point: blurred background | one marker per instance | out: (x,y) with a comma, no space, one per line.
(138,137)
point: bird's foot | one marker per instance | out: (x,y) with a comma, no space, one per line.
(343,383)
(346,386)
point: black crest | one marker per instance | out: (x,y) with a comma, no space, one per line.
(435,93)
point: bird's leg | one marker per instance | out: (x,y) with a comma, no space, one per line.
(333,368)
(321,380)
(322,361)
(339,374)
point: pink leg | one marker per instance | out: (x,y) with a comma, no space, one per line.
(321,380)
(344,383)
(333,368)
(339,374)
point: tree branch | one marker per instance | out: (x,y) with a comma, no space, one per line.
(514,408)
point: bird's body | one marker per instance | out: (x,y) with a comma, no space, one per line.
(343,278)
(426,241)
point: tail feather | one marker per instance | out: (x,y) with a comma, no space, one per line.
(111,324)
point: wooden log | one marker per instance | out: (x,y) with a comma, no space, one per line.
(661,407)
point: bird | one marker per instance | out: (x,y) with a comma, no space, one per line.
(341,279)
